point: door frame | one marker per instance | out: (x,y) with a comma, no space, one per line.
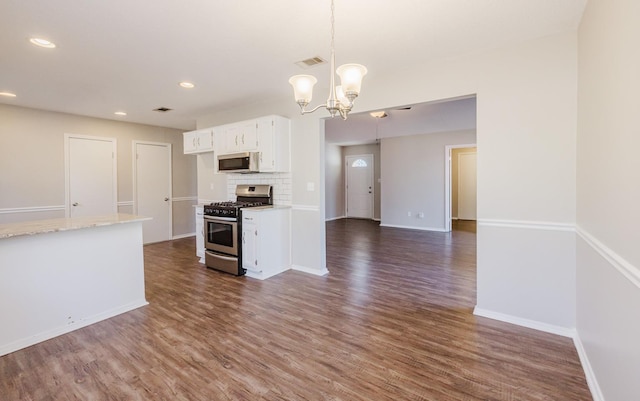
(346,184)
(134,158)
(67,168)
(447,181)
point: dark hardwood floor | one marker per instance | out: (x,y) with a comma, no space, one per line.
(392,321)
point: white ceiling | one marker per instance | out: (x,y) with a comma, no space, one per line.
(130,55)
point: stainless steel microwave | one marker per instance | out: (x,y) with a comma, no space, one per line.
(247,162)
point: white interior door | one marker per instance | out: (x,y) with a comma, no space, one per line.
(152,189)
(91,172)
(467,186)
(359,186)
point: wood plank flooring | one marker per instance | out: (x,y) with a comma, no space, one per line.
(392,321)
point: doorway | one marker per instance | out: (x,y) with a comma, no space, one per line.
(461,184)
(359,186)
(152,189)
(91,186)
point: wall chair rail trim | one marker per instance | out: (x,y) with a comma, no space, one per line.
(631,272)
(533,225)
(32,209)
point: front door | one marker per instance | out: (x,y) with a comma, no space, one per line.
(152,189)
(91,171)
(359,186)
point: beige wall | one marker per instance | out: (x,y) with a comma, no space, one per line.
(32,163)
(413,176)
(608,195)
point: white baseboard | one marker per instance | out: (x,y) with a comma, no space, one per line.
(532,324)
(336,218)
(49,334)
(436,229)
(183,235)
(310,270)
(592,382)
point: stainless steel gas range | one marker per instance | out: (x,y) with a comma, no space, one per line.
(223,227)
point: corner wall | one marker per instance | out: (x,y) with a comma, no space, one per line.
(608,195)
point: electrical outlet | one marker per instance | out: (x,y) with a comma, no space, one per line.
(408,214)
(421,215)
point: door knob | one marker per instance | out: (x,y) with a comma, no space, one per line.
(74,204)
(166,199)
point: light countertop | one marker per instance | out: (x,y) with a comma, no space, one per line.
(65,224)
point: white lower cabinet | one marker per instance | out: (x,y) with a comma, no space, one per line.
(200,232)
(266,241)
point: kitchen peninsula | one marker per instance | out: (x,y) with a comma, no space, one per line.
(59,275)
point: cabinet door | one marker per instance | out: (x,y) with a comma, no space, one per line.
(199,232)
(205,140)
(247,136)
(250,245)
(190,144)
(198,141)
(266,144)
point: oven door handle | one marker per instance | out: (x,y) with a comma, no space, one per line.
(216,218)
(229,258)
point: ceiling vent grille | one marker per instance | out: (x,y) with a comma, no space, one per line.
(162,109)
(310,62)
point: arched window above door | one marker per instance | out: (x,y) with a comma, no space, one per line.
(359,163)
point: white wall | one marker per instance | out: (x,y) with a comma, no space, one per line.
(413,178)
(526,99)
(32,164)
(608,195)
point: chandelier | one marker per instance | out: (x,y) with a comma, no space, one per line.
(341,97)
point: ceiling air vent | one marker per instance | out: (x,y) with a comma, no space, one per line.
(310,62)
(162,109)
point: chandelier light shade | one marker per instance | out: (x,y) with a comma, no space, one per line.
(303,88)
(341,97)
(351,77)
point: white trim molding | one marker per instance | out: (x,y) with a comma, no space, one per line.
(306,208)
(309,270)
(590,375)
(632,273)
(532,324)
(33,209)
(436,229)
(184,199)
(533,225)
(336,218)
(125,203)
(179,236)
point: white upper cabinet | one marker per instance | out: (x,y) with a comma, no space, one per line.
(240,137)
(270,136)
(274,137)
(198,141)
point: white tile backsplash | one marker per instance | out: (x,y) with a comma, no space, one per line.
(281,183)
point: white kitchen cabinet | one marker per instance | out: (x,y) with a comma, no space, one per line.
(274,143)
(198,141)
(199,216)
(240,137)
(266,241)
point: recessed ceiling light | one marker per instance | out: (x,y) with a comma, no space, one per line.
(42,43)
(378,114)
(120,113)
(7,94)
(187,85)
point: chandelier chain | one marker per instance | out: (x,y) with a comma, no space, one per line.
(333,22)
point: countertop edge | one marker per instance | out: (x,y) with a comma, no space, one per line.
(35,227)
